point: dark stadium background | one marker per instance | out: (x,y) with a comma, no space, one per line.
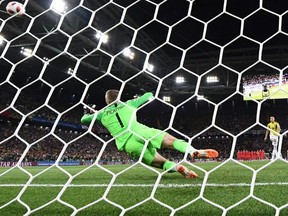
(233,115)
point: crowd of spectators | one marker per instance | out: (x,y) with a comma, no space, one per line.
(43,146)
(263,79)
(41,143)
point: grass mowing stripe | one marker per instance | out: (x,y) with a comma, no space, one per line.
(148,185)
(226,186)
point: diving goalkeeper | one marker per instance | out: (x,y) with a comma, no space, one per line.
(130,136)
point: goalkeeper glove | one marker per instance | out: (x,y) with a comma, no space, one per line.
(88,110)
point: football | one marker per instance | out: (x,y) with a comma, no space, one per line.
(15,7)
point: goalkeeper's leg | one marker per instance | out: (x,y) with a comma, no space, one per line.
(171,142)
(152,158)
(160,139)
(161,162)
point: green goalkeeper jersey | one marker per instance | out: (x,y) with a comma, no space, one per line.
(120,119)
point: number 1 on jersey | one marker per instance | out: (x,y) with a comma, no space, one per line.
(119,120)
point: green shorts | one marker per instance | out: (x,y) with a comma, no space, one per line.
(135,144)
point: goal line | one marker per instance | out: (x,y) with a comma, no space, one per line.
(150,185)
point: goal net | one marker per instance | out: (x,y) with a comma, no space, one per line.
(217,69)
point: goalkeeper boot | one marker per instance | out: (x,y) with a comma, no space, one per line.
(205,153)
(186,172)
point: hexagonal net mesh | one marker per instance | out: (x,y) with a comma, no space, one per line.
(215,69)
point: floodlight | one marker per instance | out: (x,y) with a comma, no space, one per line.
(200,97)
(1,39)
(59,6)
(26,51)
(102,37)
(149,67)
(212,79)
(180,79)
(128,53)
(70,71)
(167,98)
(105,38)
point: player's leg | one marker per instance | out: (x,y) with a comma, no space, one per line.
(160,162)
(151,157)
(160,139)
(274,151)
(171,142)
(274,140)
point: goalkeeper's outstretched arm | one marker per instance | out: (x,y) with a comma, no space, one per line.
(142,99)
(88,115)
(87,118)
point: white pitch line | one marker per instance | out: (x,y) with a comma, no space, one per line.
(148,185)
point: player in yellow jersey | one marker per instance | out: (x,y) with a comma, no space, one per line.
(121,121)
(274,135)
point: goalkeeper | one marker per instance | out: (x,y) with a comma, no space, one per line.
(130,136)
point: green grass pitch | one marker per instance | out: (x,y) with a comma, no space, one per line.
(226,186)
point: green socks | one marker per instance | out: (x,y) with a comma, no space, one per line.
(182,146)
(169,165)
